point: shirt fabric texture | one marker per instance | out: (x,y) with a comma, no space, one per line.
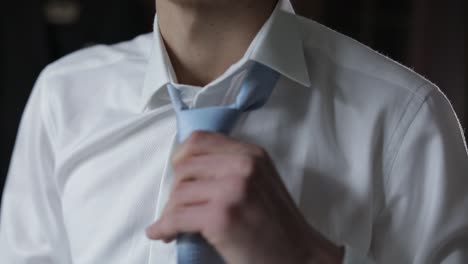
(371,152)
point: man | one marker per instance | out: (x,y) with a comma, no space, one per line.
(354,158)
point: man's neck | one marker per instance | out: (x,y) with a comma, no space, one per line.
(204,37)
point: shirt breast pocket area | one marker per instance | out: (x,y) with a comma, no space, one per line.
(335,209)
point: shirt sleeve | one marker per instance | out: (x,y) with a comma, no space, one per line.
(425,214)
(31,225)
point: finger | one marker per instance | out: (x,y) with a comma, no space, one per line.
(188,193)
(203,142)
(226,191)
(190,219)
(213,166)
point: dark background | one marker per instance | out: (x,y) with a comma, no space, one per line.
(426,35)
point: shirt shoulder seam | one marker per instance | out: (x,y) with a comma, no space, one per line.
(412,109)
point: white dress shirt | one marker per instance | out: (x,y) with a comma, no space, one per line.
(371,152)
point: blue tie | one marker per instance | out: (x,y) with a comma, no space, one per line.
(254,92)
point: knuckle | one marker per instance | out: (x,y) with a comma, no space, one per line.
(178,164)
(188,148)
(179,186)
(258,152)
(246,166)
(178,161)
(181,155)
(240,185)
(239,190)
(181,160)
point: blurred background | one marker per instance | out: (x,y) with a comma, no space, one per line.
(426,35)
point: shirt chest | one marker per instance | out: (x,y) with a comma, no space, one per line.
(112,179)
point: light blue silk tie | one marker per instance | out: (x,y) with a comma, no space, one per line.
(254,92)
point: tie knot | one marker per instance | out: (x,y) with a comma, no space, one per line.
(253,93)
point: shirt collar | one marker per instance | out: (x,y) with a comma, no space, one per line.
(278,45)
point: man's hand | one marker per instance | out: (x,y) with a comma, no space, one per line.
(230,192)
